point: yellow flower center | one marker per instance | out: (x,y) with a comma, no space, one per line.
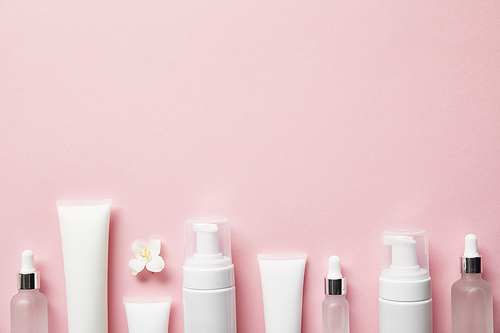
(146,254)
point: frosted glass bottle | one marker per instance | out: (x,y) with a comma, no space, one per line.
(28,308)
(28,312)
(335,314)
(471,296)
(335,308)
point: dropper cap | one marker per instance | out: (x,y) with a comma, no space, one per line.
(28,277)
(335,284)
(471,259)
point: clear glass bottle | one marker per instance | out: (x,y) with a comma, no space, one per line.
(471,296)
(28,308)
(335,308)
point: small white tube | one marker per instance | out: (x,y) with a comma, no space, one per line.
(84,228)
(147,314)
(282,278)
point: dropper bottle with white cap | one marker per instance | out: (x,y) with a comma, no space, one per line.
(471,296)
(28,308)
(335,306)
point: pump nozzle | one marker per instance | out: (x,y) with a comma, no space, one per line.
(209,246)
(207,239)
(404,276)
(404,251)
(404,257)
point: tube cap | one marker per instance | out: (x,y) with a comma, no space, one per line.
(28,278)
(471,259)
(335,283)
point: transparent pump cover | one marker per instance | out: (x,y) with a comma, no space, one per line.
(405,255)
(207,243)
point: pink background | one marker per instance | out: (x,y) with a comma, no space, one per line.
(312,126)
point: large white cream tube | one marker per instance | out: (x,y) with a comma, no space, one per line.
(147,314)
(282,278)
(84,233)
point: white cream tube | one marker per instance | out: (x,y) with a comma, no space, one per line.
(84,233)
(147,314)
(282,278)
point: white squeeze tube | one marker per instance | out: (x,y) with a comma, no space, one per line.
(84,233)
(282,278)
(147,314)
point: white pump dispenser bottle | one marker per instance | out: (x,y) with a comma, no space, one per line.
(209,300)
(405,303)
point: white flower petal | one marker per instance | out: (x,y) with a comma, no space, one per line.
(136,265)
(137,248)
(156,264)
(154,246)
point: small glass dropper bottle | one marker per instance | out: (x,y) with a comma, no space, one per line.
(335,306)
(471,296)
(28,308)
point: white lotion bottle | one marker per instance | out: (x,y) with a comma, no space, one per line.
(335,307)
(405,303)
(471,296)
(28,308)
(209,299)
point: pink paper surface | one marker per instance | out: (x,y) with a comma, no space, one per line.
(312,126)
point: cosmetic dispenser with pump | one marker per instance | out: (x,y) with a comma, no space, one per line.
(335,306)
(471,296)
(28,308)
(209,301)
(405,303)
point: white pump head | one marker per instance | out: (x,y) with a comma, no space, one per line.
(207,254)
(405,266)
(207,239)
(404,254)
